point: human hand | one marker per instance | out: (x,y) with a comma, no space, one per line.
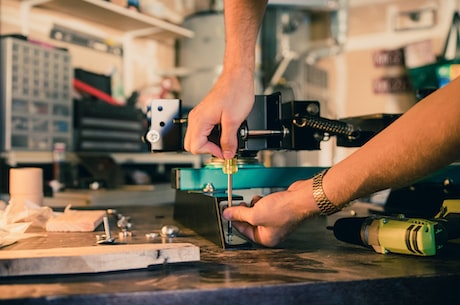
(228,103)
(270,219)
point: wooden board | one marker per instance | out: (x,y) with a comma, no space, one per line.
(101,258)
(76,221)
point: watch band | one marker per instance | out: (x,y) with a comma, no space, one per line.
(323,203)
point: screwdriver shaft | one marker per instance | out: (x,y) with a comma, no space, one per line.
(229,199)
(230,167)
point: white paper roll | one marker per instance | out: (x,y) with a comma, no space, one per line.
(25,200)
(26,181)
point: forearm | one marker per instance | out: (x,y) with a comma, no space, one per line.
(424,139)
(242,22)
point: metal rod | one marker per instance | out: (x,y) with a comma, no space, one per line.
(255,133)
(229,199)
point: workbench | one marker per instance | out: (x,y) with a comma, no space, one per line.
(311,266)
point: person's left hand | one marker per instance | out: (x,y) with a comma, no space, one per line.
(270,219)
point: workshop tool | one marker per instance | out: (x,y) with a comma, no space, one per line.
(230,167)
(449,213)
(271,125)
(423,236)
(386,234)
(393,235)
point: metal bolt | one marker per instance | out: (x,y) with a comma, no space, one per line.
(153,136)
(124,224)
(208,188)
(169,231)
(312,109)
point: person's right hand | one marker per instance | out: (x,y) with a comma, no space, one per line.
(228,103)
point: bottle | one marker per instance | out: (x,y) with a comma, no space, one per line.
(59,166)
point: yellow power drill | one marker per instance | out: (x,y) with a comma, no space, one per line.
(413,236)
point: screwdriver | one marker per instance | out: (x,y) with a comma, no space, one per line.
(230,167)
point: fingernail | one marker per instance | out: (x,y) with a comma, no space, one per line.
(225,214)
(228,154)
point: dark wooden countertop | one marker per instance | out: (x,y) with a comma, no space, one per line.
(310,267)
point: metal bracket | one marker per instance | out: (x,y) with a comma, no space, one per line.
(202,212)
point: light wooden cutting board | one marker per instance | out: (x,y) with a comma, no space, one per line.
(101,258)
(76,221)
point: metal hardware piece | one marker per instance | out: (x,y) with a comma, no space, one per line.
(169,231)
(107,237)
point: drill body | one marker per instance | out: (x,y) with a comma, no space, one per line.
(414,236)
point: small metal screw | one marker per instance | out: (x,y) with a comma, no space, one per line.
(153,136)
(209,188)
(312,109)
(169,231)
(124,224)
(151,236)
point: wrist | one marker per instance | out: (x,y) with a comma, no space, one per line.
(302,199)
(240,78)
(237,70)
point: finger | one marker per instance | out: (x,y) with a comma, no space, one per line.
(255,199)
(190,133)
(245,229)
(237,213)
(187,144)
(255,234)
(203,146)
(237,216)
(198,143)
(209,148)
(229,140)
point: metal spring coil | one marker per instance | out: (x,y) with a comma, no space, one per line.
(333,127)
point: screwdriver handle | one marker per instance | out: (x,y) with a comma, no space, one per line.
(230,166)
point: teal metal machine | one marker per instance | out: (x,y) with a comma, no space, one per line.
(272,125)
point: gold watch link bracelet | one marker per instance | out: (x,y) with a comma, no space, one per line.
(323,203)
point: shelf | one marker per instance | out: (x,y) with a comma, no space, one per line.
(116,17)
(158,158)
(311,4)
(42,157)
